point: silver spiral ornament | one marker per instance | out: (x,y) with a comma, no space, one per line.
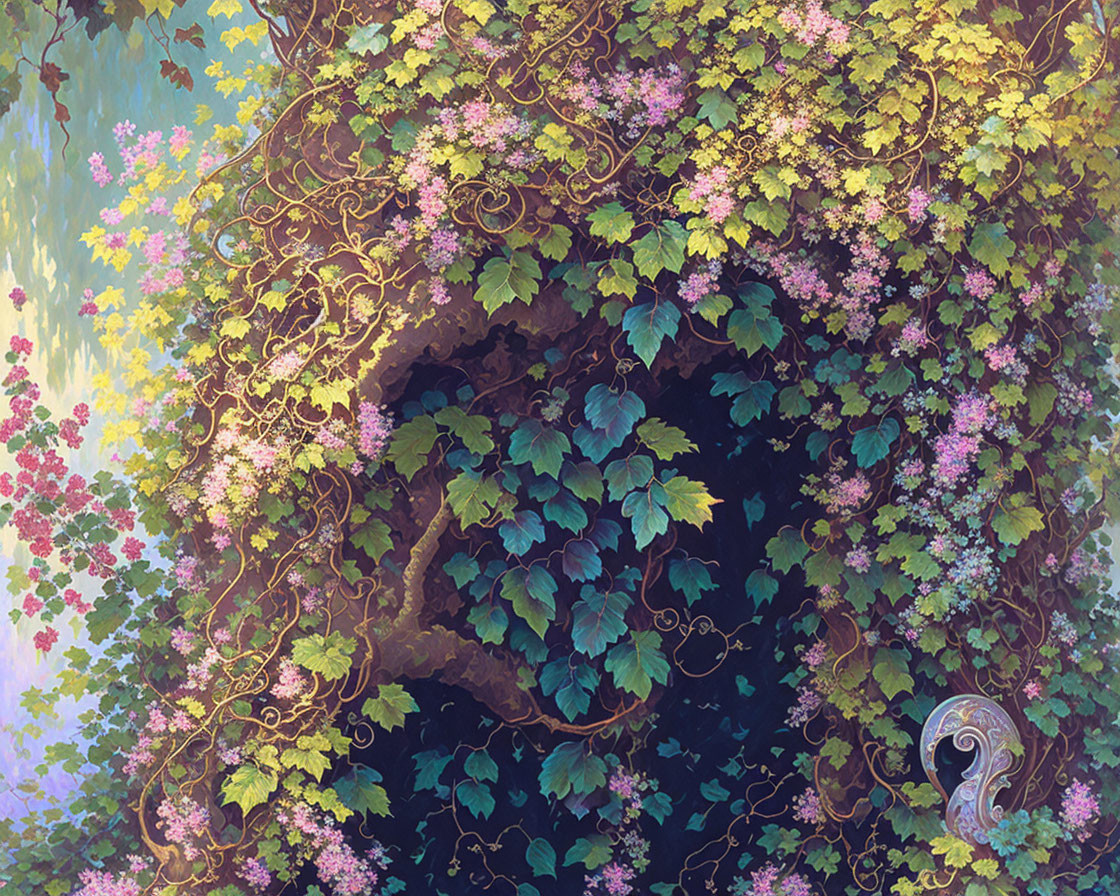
(975,723)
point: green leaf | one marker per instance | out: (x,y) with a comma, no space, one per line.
(389,707)
(873,443)
(636,664)
(1041,398)
(689,501)
(718,108)
(584,481)
(616,278)
(532,594)
(472,497)
(661,249)
(462,568)
(329,656)
(472,429)
(761,586)
(664,440)
(307,755)
(374,538)
(476,798)
(504,279)
(248,786)
(598,620)
(542,446)
(992,247)
(593,852)
(367,39)
(892,672)
(490,622)
(646,325)
(570,769)
(411,442)
(611,222)
(558,243)
(645,508)
(786,550)
(541,858)
(360,791)
(690,577)
(481,766)
(1015,524)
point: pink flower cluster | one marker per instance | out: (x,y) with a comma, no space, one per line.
(978,283)
(711,188)
(99,170)
(375,426)
(955,450)
(18,297)
(846,493)
(289,683)
(103,883)
(183,821)
(918,205)
(338,865)
(807,807)
(811,23)
(765,882)
(808,702)
(613,879)
(700,284)
(1080,808)
(637,100)
(255,873)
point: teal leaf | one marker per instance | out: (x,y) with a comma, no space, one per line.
(489,621)
(570,684)
(564,510)
(598,620)
(717,108)
(646,325)
(476,798)
(543,447)
(580,561)
(690,577)
(645,509)
(584,480)
(754,509)
(615,413)
(361,791)
(462,568)
(873,443)
(569,768)
(761,586)
(636,664)
(429,766)
(481,766)
(522,531)
(627,474)
(532,594)
(541,858)
(592,852)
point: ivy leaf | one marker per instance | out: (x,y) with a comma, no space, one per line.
(472,497)
(248,786)
(580,561)
(645,508)
(476,798)
(570,769)
(307,755)
(558,243)
(754,326)
(490,622)
(786,550)
(359,790)
(504,279)
(1041,398)
(572,685)
(628,473)
(598,620)
(873,443)
(957,852)
(481,766)
(564,510)
(664,440)
(429,766)
(611,222)
(718,108)
(661,249)
(646,325)
(992,247)
(614,413)
(593,852)
(638,663)
(754,509)
(373,538)
(1015,524)
(531,593)
(472,429)
(690,577)
(688,501)
(542,446)
(329,656)
(616,278)
(462,568)
(892,671)
(761,586)
(584,481)
(541,858)
(389,707)
(367,39)
(410,445)
(521,532)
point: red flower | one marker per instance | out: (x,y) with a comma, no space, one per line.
(45,640)
(132,548)
(31,604)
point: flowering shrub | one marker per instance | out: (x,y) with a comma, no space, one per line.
(405,439)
